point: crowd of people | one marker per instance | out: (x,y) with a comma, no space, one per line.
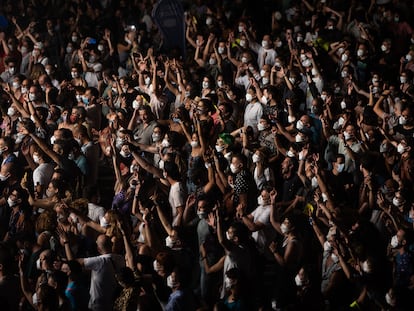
(267,166)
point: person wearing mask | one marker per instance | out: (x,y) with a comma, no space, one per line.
(244,199)
(339,182)
(288,255)
(91,152)
(347,144)
(10,72)
(265,52)
(253,111)
(142,125)
(76,291)
(103,268)
(43,172)
(181,297)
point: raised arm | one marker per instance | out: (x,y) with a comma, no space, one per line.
(164,221)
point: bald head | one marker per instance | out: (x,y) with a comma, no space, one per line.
(104,244)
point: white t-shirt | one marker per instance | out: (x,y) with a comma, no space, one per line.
(103,282)
(176,198)
(95,212)
(252,115)
(43,174)
(261,214)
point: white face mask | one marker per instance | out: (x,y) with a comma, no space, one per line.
(220,83)
(260,201)
(220,50)
(147,81)
(244,60)
(284,228)
(347,136)
(265,44)
(135,104)
(234,169)
(299,138)
(228,283)
(365,267)
(228,236)
(242,43)
(169,242)
(298,281)
(194,144)
(125,154)
(340,167)
(394,241)
(314,182)
(205,85)
(156,266)
(397,202)
(212,61)
(11,111)
(228,156)
(202,215)
(261,127)
(133,168)
(249,97)
(402,120)
(219,148)
(383,48)
(165,143)
(400,148)
(255,158)
(265,80)
(403,79)
(343,105)
(390,300)
(209,21)
(334,258)
(292,80)
(170,282)
(36,159)
(32,96)
(11,203)
(103,222)
(344,57)
(38,264)
(306,63)
(290,154)
(299,125)
(344,74)
(360,52)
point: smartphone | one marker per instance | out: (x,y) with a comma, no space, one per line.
(176,120)
(92,41)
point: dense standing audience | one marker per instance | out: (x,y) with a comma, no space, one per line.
(266,165)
